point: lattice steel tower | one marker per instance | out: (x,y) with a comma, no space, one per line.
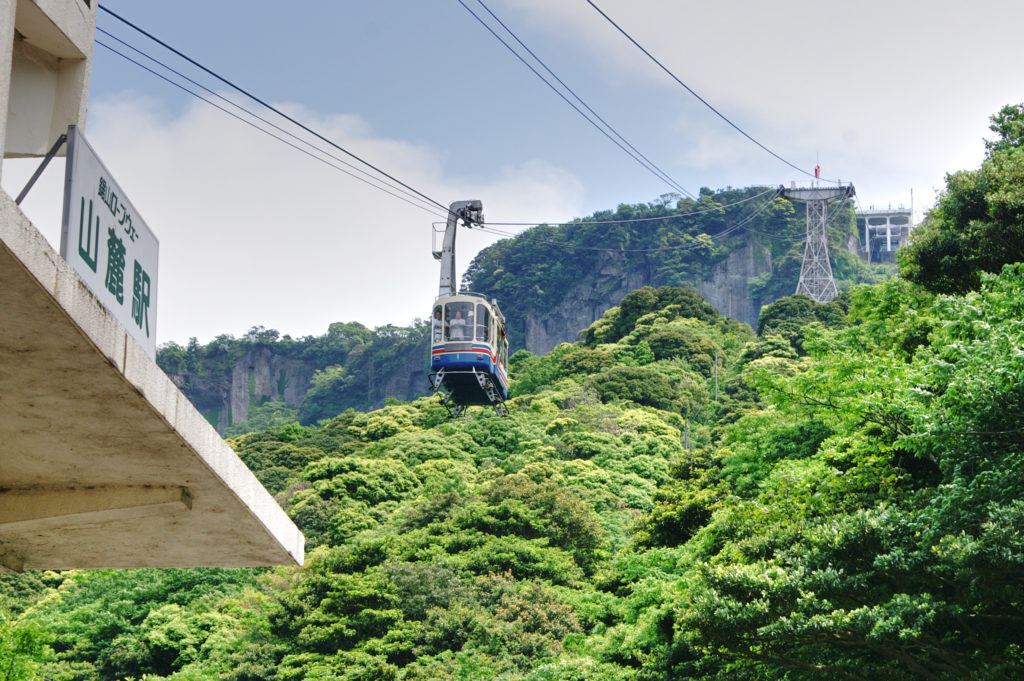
(816,279)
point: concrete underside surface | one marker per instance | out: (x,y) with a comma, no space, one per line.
(103,462)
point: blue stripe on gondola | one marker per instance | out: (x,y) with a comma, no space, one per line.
(445,358)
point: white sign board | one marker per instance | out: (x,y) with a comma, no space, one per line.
(107,243)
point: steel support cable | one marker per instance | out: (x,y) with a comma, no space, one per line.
(585,221)
(384,188)
(372,178)
(273,108)
(666,180)
(714,237)
(486,228)
(701,99)
(729,230)
(234,115)
(661,173)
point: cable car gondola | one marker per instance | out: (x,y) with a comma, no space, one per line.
(468,345)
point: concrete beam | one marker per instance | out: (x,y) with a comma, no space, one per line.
(10,562)
(41,508)
(63,28)
(7,14)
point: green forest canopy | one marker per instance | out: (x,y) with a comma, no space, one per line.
(676,242)
(673,497)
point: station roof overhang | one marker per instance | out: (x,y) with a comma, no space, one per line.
(104,463)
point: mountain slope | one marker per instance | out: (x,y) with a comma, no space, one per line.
(671,498)
(262,379)
(647,512)
(739,248)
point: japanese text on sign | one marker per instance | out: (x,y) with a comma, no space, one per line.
(108,244)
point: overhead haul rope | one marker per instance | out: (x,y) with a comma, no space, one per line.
(701,99)
(409,191)
(277,111)
(632,151)
(372,178)
(687,247)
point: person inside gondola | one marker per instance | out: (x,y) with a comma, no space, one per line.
(438,324)
(457,326)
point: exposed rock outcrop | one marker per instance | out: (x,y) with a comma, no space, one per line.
(408,381)
(262,375)
(227,393)
(581,305)
(727,288)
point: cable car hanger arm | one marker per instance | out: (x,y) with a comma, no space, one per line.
(470,212)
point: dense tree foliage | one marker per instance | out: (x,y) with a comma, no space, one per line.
(839,497)
(847,509)
(438,548)
(678,243)
(977,224)
(21,645)
(789,317)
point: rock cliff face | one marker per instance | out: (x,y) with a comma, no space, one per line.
(581,306)
(262,375)
(727,288)
(408,381)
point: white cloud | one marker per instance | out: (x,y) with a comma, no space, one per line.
(887,95)
(881,91)
(253,232)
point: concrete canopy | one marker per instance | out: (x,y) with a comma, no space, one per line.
(103,462)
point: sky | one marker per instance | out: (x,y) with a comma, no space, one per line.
(887,95)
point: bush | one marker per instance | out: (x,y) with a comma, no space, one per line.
(587,361)
(637,384)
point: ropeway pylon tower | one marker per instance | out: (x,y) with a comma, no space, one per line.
(816,280)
